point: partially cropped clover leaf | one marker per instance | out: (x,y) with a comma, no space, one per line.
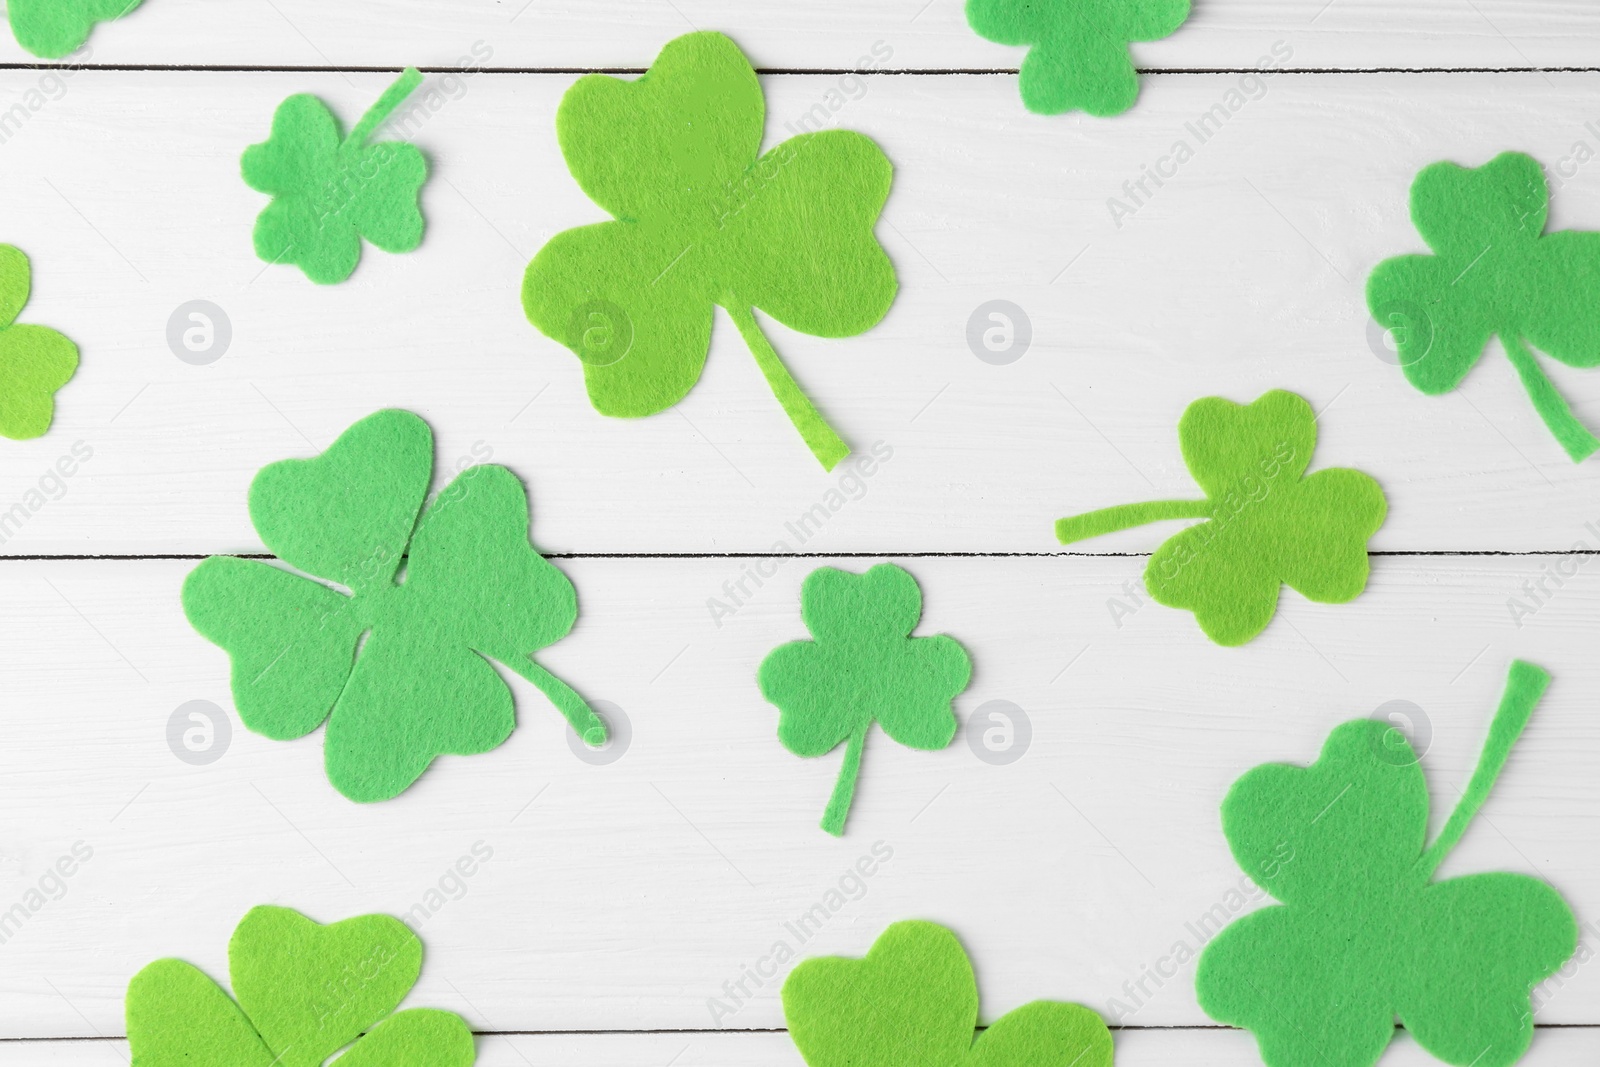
(1268,525)
(703,219)
(913,1000)
(301,992)
(1364,934)
(51,29)
(330,192)
(473,589)
(1078,49)
(863,667)
(35,361)
(1494,273)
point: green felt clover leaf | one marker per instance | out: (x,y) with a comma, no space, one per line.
(1078,49)
(1364,933)
(863,666)
(1268,525)
(35,361)
(473,589)
(301,992)
(914,1000)
(1494,273)
(329,192)
(702,218)
(51,29)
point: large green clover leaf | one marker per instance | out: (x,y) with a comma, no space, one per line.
(330,192)
(1494,273)
(304,991)
(1078,49)
(51,29)
(474,589)
(1364,933)
(862,667)
(35,361)
(1268,525)
(701,218)
(913,1000)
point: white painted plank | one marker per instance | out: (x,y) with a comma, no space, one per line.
(922,33)
(624,896)
(1134,1048)
(1243,273)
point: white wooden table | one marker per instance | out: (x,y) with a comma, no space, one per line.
(620,898)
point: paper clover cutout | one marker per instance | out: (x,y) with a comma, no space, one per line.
(1494,273)
(702,219)
(913,1000)
(862,667)
(51,29)
(328,193)
(1364,933)
(474,589)
(1078,49)
(301,992)
(35,361)
(1268,526)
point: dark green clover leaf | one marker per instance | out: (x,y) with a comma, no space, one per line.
(473,589)
(1078,49)
(301,992)
(1364,933)
(913,1000)
(51,29)
(702,218)
(1494,273)
(330,192)
(1268,525)
(863,666)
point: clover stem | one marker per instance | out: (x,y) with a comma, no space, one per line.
(1549,403)
(824,443)
(844,790)
(589,726)
(1126,516)
(1524,686)
(379,112)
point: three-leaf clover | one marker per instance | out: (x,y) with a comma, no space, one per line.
(35,361)
(301,992)
(1494,273)
(1079,48)
(863,666)
(913,1000)
(1268,525)
(51,29)
(702,219)
(473,589)
(329,192)
(1364,933)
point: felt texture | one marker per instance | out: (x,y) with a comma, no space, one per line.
(1494,273)
(914,1000)
(52,29)
(304,991)
(702,219)
(330,191)
(1267,525)
(473,589)
(1077,49)
(35,361)
(863,666)
(1364,934)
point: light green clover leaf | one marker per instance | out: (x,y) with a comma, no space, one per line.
(330,192)
(51,29)
(35,361)
(1364,933)
(1267,524)
(473,589)
(702,218)
(863,666)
